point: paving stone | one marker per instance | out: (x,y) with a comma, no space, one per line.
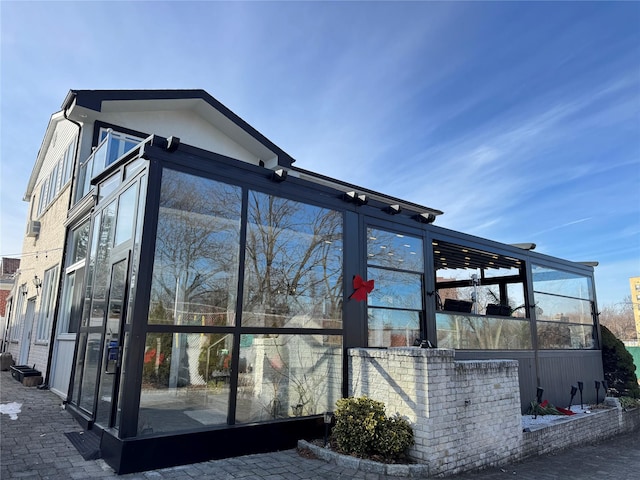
(34,447)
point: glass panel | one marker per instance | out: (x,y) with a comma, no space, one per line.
(42,203)
(111,349)
(68,162)
(185,381)
(86,309)
(136,245)
(287,376)
(126,215)
(563,335)
(486,333)
(134,167)
(45,316)
(79,242)
(394,250)
(108,186)
(101,273)
(196,259)
(99,160)
(84,178)
(280,292)
(557,282)
(551,307)
(472,280)
(79,369)
(90,372)
(393,328)
(119,144)
(395,289)
(123,374)
(66,302)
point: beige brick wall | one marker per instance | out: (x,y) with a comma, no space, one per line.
(38,255)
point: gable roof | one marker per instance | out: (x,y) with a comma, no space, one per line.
(83,104)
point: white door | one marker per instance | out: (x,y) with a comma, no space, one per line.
(25,343)
(65,340)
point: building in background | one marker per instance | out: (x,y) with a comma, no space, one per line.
(8,269)
(634,286)
(191,293)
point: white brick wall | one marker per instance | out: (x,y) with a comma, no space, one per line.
(466,415)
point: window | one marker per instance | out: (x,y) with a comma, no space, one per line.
(67,163)
(197,250)
(112,145)
(69,314)
(46,305)
(293,268)
(59,176)
(563,309)
(118,144)
(292,274)
(18,314)
(395,262)
(480,299)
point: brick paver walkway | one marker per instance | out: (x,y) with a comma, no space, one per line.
(34,447)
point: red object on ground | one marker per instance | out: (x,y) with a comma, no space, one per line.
(565,411)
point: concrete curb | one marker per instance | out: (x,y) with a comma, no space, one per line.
(367,466)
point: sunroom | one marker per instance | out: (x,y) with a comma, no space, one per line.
(221,298)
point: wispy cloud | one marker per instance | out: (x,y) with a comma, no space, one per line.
(564,225)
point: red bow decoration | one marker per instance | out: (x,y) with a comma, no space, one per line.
(361,288)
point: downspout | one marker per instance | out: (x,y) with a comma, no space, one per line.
(54,325)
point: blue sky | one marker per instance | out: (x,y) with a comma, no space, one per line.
(521,121)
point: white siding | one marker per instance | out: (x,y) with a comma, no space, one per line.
(64,134)
(188,126)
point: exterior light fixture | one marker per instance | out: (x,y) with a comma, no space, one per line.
(37,283)
(524,246)
(580,387)
(539,392)
(597,392)
(173,143)
(393,209)
(328,417)
(355,197)
(425,218)
(574,390)
(279,175)
(23,289)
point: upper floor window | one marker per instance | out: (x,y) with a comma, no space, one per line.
(118,144)
(56,179)
(112,145)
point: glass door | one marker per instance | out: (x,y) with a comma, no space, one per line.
(112,344)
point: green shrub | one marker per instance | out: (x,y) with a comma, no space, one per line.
(395,437)
(363,430)
(628,402)
(619,369)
